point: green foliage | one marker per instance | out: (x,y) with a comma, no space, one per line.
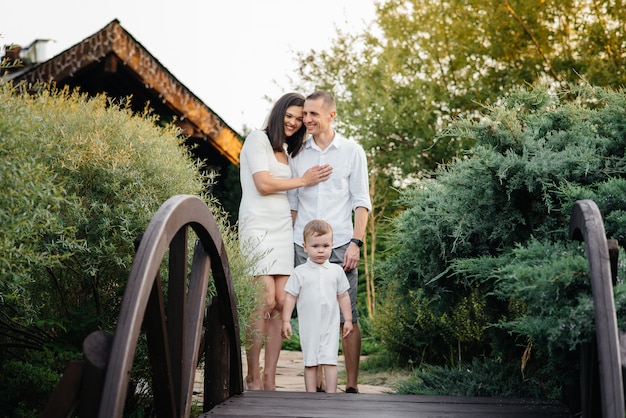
(481,377)
(28,382)
(81,179)
(380,361)
(549,295)
(422,64)
(370,345)
(482,265)
(293,344)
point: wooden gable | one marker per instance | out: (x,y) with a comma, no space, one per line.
(111,61)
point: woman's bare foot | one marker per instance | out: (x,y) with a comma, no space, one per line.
(252,384)
(267,384)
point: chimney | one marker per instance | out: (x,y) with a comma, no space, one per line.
(36,52)
(12,52)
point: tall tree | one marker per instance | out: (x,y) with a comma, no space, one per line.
(423,64)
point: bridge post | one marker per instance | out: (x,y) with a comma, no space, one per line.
(217,359)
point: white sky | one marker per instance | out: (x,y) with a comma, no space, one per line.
(232,54)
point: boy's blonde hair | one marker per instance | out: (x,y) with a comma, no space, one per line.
(315,228)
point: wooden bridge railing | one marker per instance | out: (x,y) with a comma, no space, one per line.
(586,224)
(98,385)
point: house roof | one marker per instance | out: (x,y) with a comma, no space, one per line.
(113,62)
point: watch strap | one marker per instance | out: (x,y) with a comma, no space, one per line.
(357,241)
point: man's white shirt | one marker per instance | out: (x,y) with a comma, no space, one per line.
(335,199)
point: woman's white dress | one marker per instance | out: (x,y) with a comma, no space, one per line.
(317,286)
(265,225)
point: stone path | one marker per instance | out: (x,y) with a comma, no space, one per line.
(290,376)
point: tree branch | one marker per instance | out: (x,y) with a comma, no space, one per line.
(532,38)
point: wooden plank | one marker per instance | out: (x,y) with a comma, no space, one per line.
(586,224)
(217,359)
(193,322)
(64,399)
(301,404)
(155,324)
(176,302)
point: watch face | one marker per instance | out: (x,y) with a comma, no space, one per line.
(357,241)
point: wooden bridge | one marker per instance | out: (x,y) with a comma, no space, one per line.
(97,386)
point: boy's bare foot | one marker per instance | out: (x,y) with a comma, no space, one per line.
(252,384)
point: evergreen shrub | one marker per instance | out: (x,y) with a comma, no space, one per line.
(483,269)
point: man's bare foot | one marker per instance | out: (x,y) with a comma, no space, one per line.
(252,384)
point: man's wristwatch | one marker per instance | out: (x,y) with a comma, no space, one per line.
(357,241)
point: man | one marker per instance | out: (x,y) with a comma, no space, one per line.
(334,201)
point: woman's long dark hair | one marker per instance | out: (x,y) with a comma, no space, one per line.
(275,128)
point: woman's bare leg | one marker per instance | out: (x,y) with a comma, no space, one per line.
(253,353)
(273,344)
(256,335)
(274,340)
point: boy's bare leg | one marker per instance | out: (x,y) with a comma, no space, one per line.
(321,384)
(330,371)
(310,378)
(352,353)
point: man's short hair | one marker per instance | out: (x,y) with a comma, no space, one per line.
(327,98)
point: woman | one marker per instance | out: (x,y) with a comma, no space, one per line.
(265,225)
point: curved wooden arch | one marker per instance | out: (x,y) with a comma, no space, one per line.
(586,225)
(175,341)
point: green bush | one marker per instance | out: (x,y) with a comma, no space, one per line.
(481,377)
(293,344)
(483,267)
(81,178)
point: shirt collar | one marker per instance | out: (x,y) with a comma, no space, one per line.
(337,142)
(314,264)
